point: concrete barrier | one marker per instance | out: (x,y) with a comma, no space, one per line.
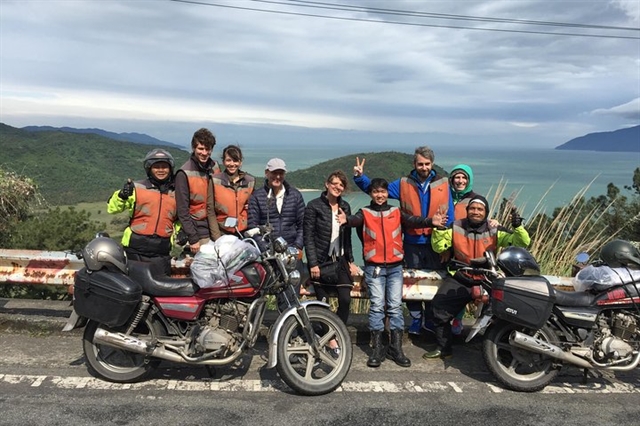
(56,268)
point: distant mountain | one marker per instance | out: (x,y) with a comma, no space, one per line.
(390,165)
(623,140)
(70,168)
(126,137)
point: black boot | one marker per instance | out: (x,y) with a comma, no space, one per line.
(379,350)
(395,349)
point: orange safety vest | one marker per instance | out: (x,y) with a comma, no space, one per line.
(230,201)
(154,213)
(410,200)
(468,245)
(382,236)
(198,181)
(460,210)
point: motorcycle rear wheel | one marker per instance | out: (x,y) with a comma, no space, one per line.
(118,365)
(297,366)
(518,369)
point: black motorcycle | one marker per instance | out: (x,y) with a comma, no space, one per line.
(531,330)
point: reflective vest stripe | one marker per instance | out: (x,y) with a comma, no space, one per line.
(467,245)
(382,236)
(154,213)
(230,202)
(410,200)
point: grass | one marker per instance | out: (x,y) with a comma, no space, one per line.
(558,241)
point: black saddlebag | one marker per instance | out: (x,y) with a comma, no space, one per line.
(106,297)
(525,301)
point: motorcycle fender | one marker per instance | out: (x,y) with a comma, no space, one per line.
(480,326)
(277,326)
(74,321)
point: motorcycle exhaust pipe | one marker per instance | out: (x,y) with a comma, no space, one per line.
(131,344)
(532,344)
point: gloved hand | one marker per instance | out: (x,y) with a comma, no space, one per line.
(516,219)
(127,190)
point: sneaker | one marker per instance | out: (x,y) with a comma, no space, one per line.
(456,327)
(296,359)
(334,352)
(415,326)
(436,354)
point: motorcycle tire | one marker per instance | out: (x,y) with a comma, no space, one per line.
(118,365)
(297,366)
(515,368)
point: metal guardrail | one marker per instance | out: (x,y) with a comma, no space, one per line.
(56,268)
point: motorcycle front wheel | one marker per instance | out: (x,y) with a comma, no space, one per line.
(518,369)
(299,368)
(118,365)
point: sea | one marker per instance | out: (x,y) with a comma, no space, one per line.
(536,179)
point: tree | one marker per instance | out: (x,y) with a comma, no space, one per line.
(17,195)
(56,230)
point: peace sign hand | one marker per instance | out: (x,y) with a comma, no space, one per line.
(358,169)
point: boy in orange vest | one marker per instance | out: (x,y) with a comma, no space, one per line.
(380,228)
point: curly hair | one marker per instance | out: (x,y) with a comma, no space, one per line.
(203,136)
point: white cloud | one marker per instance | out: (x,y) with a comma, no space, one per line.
(628,111)
(174,61)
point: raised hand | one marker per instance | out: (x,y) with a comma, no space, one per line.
(439,220)
(516,219)
(341,217)
(127,190)
(358,169)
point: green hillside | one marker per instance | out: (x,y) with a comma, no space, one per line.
(390,165)
(70,168)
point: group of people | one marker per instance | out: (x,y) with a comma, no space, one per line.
(439,218)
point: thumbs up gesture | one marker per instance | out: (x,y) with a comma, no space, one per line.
(127,190)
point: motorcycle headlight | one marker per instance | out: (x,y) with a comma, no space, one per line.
(280,245)
(294,278)
(291,263)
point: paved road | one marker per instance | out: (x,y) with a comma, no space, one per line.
(43,381)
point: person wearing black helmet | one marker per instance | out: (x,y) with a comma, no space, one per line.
(468,239)
(151,204)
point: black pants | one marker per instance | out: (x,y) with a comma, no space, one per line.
(160,264)
(451,298)
(344,298)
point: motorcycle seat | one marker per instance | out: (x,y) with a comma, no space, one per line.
(155,283)
(574,298)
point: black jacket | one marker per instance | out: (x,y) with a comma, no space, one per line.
(317,230)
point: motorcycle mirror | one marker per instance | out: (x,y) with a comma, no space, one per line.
(102,234)
(582,257)
(230,222)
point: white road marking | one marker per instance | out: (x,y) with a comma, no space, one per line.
(455,387)
(494,388)
(240,385)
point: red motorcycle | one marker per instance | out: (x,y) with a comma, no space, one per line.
(137,317)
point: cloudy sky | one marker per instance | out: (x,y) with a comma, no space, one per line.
(514,71)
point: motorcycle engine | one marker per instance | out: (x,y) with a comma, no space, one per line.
(224,321)
(210,339)
(613,344)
